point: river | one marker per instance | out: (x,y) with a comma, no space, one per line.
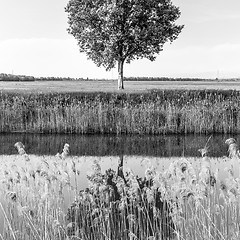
(111,145)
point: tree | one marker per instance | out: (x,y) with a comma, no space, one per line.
(119,31)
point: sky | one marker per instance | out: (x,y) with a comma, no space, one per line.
(34,42)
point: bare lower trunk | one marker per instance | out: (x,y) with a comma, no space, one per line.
(120,74)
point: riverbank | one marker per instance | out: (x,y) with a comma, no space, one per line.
(154,112)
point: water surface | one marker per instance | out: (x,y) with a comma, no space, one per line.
(110,145)
(138,152)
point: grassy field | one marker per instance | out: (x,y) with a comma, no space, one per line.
(111,86)
(41,200)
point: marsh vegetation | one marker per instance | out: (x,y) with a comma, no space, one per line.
(155,112)
(42,199)
(42,196)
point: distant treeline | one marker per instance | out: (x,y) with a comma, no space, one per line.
(11,77)
(165,79)
(176,79)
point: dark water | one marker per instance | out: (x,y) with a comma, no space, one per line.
(92,145)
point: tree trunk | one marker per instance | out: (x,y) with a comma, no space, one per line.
(120,74)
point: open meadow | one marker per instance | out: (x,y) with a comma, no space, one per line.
(111,86)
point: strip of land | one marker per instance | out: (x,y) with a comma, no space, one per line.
(111,86)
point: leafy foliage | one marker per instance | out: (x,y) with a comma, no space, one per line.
(122,30)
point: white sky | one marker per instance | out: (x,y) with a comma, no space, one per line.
(34,41)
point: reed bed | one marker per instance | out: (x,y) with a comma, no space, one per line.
(41,199)
(155,112)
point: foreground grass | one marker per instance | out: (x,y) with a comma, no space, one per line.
(155,112)
(182,202)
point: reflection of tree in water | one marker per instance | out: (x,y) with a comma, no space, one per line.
(122,198)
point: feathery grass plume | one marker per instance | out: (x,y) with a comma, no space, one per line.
(232,185)
(180,179)
(21,150)
(65,152)
(150,173)
(95,176)
(206,175)
(204,150)
(12,196)
(133,184)
(232,148)
(20,147)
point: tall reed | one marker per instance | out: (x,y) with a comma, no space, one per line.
(182,202)
(155,112)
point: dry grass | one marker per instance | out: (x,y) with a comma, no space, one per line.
(156,112)
(198,203)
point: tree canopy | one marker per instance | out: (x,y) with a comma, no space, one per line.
(119,31)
